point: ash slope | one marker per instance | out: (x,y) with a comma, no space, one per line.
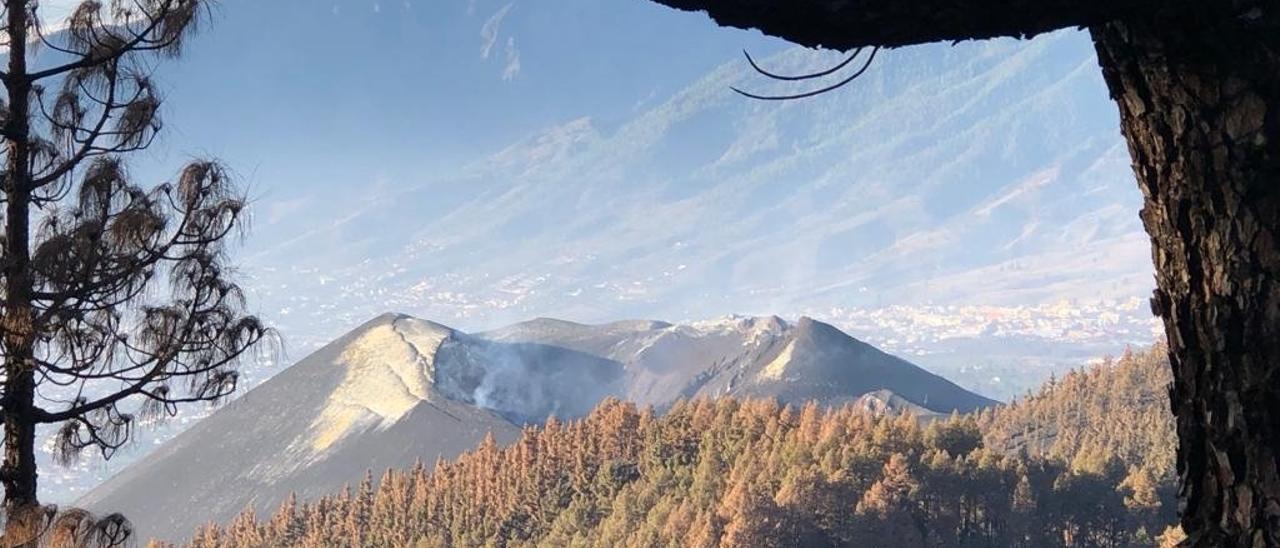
(751,357)
(399,389)
(365,401)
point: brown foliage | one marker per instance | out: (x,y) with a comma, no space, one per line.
(752,473)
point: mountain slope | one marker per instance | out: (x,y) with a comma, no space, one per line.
(311,429)
(398,389)
(748,357)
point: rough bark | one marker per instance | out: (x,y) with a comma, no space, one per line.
(847,24)
(1200,107)
(18,472)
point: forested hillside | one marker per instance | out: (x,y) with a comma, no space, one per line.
(1118,409)
(1084,462)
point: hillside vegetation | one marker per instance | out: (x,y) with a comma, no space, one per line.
(1084,462)
(1118,409)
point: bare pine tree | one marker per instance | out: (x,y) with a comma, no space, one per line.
(115,298)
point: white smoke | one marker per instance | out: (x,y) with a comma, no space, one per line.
(526,383)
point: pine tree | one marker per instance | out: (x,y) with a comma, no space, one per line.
(112,290)
(888,504)
(286,525)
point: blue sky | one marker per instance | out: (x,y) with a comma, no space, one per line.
(507,135)
(386,80)
(303,97)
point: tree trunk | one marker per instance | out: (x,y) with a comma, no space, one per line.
(18,472)
(1200,106)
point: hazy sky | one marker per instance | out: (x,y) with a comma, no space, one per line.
(484,161)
